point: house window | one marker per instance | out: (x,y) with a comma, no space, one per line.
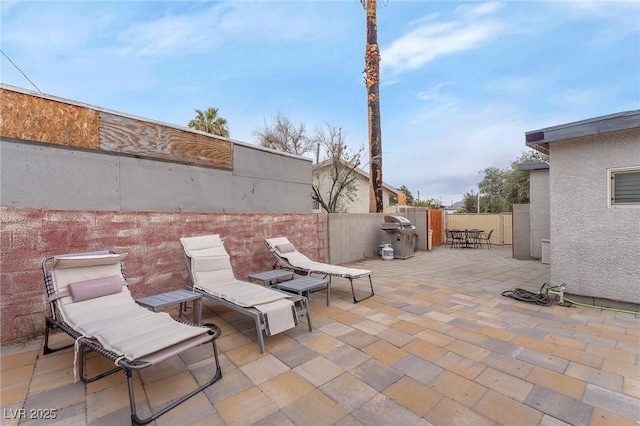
(315,204)
(625,187)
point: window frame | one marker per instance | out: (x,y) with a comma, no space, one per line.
(611,173)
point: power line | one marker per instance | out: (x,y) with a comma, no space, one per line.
(18,68)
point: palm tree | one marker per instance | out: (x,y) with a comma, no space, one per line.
(372,82)
(208,121)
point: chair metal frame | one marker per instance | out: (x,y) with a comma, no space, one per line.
(484,236)
(301,304)
(283,263)
(87,345)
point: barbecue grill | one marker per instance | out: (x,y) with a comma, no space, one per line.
(401,234)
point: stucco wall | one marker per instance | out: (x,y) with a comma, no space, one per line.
(539,210)
(594,248)
(360,204)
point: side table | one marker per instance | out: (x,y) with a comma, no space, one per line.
(274,276)
(304,285)
(159,301)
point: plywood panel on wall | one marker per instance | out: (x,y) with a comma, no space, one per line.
(32,118)
(139,138)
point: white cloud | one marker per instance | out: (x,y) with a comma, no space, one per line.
(429,39)
(202,30)
(473,11)
(523,85)
(449,140)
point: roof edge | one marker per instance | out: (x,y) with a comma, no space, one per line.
(540,139)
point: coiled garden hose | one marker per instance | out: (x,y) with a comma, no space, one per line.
(542,298)
(523,295)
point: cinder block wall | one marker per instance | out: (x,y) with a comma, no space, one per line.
(155,263)
(353,236)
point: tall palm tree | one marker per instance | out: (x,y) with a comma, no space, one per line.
(208,121)
(372,82)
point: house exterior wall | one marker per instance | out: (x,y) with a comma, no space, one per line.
(539,210)
(360,204)
(594,248)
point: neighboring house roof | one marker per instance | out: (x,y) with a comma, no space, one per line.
(538,165)
(360,171)
(540,139)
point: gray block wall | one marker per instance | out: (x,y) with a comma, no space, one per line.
(53,177)
(539,199)
(521,231)
(353,236)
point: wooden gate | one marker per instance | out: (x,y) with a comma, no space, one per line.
(435,223)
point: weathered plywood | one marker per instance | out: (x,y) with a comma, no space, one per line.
(139,138)
(33,118)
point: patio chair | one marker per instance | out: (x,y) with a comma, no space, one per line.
(212,275)
(448,238)
(473,237)
(287,257)
(90,301)
(485,238)
(457,238)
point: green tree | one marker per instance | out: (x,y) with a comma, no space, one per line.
(500,189)
(408,195)
(209,121)
(335,179)
(430,204)
(282,135)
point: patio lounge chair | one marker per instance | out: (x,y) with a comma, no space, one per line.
(287,257)
(212,276)
(90,301)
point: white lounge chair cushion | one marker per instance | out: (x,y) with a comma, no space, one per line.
(212,273)
(242,293)
(192,244)
(299,260)
(115,320)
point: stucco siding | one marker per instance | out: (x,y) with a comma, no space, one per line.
(540,215)
(594,248)
(360,203)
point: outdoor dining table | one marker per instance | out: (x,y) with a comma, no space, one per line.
(469,237)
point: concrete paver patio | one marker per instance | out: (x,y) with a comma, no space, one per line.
(437,344)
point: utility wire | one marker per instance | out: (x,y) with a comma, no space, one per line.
(18,68)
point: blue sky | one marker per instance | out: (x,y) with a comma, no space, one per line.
(461,81)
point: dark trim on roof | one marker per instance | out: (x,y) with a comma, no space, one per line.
(540,139)
(538,165)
